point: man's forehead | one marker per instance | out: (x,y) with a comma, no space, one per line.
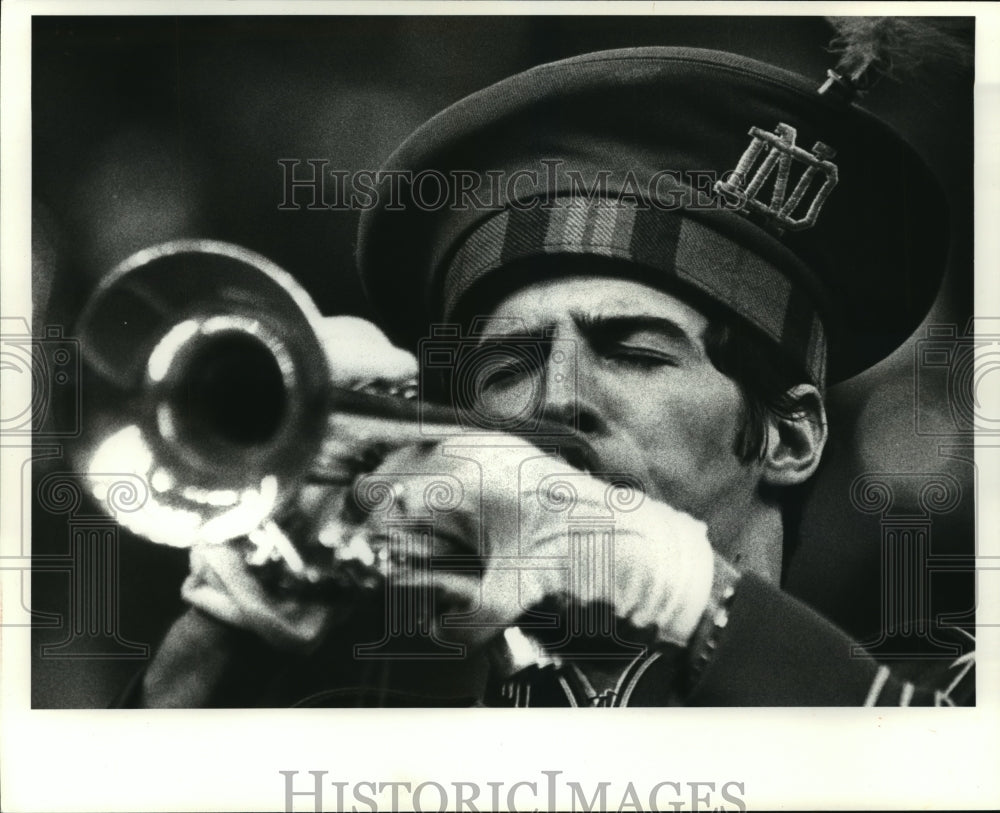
(590,298)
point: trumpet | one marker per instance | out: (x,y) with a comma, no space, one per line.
(213,402)
(212,398)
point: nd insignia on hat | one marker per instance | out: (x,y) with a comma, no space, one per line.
(779,151)
(688,168)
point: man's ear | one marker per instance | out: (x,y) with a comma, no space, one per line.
(795,442)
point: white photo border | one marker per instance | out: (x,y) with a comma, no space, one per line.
(129,760)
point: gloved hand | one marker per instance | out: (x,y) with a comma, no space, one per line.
(223,584)
(543,529)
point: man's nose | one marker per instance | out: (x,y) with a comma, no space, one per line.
(568,389)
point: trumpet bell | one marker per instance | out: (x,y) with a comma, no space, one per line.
(209,386)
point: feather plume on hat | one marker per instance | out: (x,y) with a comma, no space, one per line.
(872,47)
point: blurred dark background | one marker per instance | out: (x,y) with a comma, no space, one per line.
(151,128)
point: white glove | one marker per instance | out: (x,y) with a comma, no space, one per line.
(545,530)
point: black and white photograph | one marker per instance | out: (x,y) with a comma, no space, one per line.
(383,384)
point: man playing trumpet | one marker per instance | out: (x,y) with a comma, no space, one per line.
(658,341)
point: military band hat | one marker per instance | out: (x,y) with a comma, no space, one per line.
(798,212)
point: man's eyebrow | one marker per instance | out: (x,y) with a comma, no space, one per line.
(620,324)
(601,325)
(520,332)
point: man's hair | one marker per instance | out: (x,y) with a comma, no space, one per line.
(763,376)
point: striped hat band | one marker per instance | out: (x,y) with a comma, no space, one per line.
(685,250)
